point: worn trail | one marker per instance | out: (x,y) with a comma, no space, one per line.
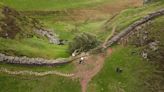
(92,65)
(27,72)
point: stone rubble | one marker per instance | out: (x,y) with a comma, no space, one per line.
(154,45)
(144,55)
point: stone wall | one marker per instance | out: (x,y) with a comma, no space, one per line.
(31,61)
(136,24)
(52,37)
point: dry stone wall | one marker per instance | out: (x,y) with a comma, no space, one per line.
(132,27)
(31,61)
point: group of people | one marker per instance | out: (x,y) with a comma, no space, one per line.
(82,61)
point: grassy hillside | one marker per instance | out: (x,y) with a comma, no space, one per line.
(138,75)
(50,83)
(49,4)
(66,29)
(155,56)
(128,16)
(137,72)
(32,47)
(14,25)
(18,37)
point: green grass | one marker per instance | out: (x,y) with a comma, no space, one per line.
(63,29)
(67,30)
(135,71)
(92,27)
(124,19)
(32,47)
(51,83)
(50,5)
(64,68)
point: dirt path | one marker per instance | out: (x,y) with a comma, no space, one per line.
(92,65)
(27,72)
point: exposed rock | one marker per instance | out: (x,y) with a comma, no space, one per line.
(145,37)
(144,55)
(154,45)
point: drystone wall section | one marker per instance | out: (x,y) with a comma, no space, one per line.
(31,61)
(52,37)
(132,27)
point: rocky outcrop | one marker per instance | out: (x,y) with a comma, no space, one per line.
(52,37)
(31,61)
(131,28)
